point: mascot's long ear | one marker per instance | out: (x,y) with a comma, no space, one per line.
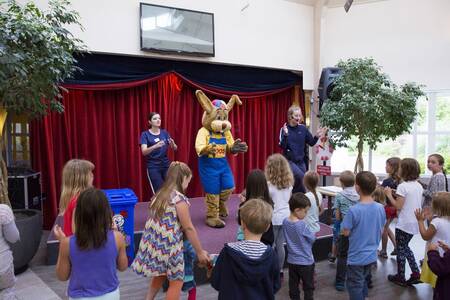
(233,100)
(204,101)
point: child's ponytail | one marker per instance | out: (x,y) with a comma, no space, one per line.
(311,181)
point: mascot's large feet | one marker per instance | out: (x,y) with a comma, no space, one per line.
(223,197)
(223,210)
(215,222)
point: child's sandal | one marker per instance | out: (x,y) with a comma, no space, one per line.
(383,254)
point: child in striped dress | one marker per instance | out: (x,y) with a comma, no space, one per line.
(160,253)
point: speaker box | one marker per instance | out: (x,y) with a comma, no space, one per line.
(25,190)
(326,83)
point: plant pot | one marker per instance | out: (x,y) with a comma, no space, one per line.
(29,224)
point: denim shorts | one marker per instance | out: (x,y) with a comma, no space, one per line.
(336,230)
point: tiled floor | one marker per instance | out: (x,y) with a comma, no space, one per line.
(41,282)
(30,286)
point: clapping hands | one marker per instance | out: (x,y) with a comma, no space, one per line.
(159,144)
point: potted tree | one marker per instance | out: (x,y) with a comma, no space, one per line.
(367,105)
(36,55)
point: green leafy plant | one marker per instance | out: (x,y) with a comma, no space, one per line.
(36,56)
(366,104)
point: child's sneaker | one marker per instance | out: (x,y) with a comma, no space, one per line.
(382,254)
(397,280)
(414,279)
(331,258)
(339,287)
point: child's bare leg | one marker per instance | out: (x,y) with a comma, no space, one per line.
(174,291)
(392,238)
(384,238)
(154,286)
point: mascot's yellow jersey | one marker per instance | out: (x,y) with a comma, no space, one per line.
(222,141)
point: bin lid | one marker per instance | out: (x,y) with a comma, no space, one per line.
(120,196)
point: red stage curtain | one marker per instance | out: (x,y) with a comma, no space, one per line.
(104,127)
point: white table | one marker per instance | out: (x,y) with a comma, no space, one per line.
(330,192)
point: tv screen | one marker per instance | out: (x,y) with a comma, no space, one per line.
(174,30)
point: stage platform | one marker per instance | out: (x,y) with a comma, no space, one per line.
(212,239)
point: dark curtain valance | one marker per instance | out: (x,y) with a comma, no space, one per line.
(104,69)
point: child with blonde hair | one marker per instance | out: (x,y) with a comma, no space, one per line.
(280,181)
(439,229)
(379,196)
(77,176)
(8,235)
(248,269)
(311,181)
(160,253)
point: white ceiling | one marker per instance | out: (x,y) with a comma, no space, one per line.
(332,3)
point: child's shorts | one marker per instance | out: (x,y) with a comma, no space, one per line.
(336,230)
(391,212)
(239,234)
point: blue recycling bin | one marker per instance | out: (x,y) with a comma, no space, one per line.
(122,203)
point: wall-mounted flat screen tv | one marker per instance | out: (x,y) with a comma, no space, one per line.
(176,31)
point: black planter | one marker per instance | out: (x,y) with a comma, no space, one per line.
(29,223)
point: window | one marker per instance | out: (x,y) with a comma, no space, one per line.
(430,134)
(18,141)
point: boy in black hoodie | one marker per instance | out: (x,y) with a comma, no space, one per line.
(248,269)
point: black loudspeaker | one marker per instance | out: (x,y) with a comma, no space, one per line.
(326,84)
(24,189)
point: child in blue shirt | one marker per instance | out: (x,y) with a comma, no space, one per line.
(299,240)
(363,224)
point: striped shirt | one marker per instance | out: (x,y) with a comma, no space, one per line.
(251,249)
(299,240)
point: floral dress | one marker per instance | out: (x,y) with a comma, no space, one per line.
(161,248)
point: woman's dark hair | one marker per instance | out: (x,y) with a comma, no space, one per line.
(298,200)
(256,186)
(93,219)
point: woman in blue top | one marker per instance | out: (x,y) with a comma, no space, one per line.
(154,145)
(293,138)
